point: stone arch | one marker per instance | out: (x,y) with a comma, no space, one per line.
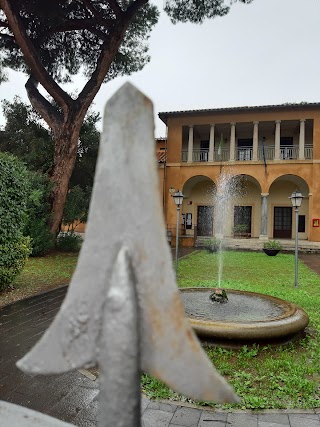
(197,208)
(241,197)
(196,181)
(281,216)
(245,206)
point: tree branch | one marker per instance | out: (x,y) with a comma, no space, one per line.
(4,24)
(42,105)
(115,7)
(134,7)
(95,12)
(108,52)
(76,24)
(32,58)
(7,37)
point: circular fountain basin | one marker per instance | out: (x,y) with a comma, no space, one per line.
(247,317)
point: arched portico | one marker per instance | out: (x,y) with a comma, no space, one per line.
(281,218)
(198,206)
(228,206)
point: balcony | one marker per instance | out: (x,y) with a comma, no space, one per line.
(246,154)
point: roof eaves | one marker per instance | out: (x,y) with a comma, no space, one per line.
(289,107)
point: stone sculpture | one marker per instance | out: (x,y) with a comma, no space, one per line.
(123,310)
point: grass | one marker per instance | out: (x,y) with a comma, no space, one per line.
(264,377)
(41,274)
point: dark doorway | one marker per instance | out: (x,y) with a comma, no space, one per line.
(205,221)
(242,219)
(282,226)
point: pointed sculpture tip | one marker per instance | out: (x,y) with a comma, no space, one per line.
(23,365)
(127,92)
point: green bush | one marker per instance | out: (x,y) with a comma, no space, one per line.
(12,259)
(38,210)
(69,241)
(272,244)
(14,191)
(212,245)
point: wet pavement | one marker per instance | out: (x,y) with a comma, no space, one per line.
(73,397)
(312,261)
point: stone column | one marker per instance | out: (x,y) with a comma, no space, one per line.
(302,138)
(232,141)
(264,217)
(211,143)
(190,145)
(277,141)
(255,140)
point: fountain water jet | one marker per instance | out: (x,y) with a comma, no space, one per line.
(227,187)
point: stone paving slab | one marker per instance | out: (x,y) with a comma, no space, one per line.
(242,420)
(210,419)
(307,420)
(282,419)
(188,417)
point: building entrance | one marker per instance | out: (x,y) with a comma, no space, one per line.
(205,221)
(282,225)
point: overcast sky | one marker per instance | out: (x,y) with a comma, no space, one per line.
(264,53)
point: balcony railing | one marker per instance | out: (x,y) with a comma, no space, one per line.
(266,153)
(308,152)
(221,155)
(289,153)
(246,154)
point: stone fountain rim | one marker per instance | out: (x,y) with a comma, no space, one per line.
(293,320)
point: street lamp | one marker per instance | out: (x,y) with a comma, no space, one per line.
(296,200)
(178,199)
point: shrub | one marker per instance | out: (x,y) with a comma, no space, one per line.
(69,241)
(38,210)
(240,229)
(212,245)
(14,190)
(272,244)
(12,259)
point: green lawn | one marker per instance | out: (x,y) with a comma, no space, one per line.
(264,377)
(41,274)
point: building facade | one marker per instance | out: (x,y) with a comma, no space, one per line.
(267,152)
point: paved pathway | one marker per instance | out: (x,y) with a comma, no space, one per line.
(73,396)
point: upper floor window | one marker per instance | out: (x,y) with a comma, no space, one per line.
(204,150)
(286,147)
(245,148)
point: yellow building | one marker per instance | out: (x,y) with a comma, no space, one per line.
(270,150)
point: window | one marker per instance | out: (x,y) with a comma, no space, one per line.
(245,148)
(286,147)
(189,221)
(204,150)
(242,218)
(302,224)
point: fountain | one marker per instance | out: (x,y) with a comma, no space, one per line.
(245,317)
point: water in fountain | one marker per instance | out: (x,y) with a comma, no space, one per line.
(227,187)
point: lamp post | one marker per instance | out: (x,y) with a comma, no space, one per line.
(296,200)
(178,199)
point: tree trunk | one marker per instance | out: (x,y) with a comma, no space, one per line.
(65,153)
